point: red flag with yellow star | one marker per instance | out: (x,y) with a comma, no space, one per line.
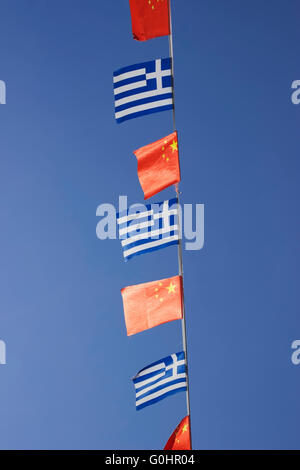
(180,439)
(149,18)
(152,303)
(158,165)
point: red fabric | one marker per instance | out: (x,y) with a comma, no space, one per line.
(158,165)
(149,18)
(152,303)
(180,439)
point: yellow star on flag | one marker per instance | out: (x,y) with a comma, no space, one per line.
(185,428)
(174,146)
(171,288)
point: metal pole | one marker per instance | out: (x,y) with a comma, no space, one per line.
(180,262)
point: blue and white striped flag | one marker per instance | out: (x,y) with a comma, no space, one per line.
(145,228)
(143,89)
(160,379)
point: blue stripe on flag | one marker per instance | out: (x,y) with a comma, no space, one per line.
(149,99)
(144,113)
(127,81)
(142,241)
(149,250)
(161,397)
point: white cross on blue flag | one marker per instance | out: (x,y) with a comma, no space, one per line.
(160,379)
(145,228)
(143,89)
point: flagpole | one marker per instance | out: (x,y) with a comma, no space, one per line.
(180,261)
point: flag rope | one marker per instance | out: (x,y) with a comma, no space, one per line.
(180,259)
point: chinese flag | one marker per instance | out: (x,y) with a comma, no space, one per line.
(180,439)
(158,165)
(152,303)
(149,18)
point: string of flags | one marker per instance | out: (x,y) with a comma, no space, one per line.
(139,90)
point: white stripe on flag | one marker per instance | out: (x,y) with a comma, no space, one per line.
(158,384)
(160,392)
(142,95)
(147,381)
(138,215)
(149,370)
(125,75)
(130,86)
(143,107)
(141,225)
(151,234)
(147,245)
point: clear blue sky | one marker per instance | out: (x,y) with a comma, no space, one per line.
(69,362)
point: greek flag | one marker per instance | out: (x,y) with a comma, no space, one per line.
(160,379)
(145,228)
(143,89)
